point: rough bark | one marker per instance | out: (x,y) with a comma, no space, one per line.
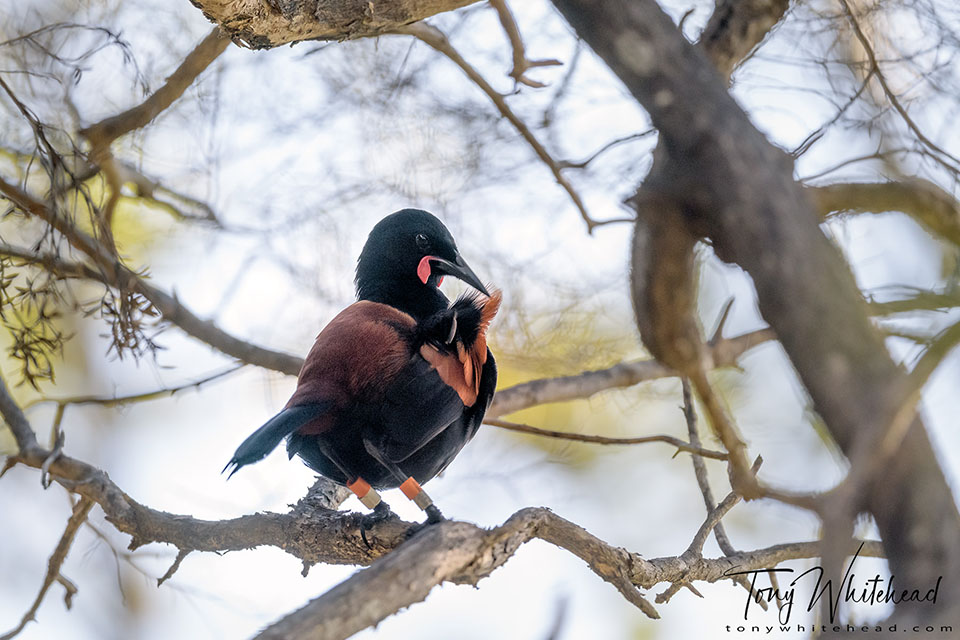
(263,24)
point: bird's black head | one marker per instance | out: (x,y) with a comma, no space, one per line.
(405,258)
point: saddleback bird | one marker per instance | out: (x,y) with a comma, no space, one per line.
(399,381)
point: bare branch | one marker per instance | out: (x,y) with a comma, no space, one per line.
(77,518)
(582,164)
(716,514)
(106,131)
(920,301)
(114,273)
(582,437)
(263,24)
(521,64)
(116,401)
(922,200)
(737,189)
(174,203)
(451,551)
(723,352)
(181,554)
(18,423)
(700,468)
(736,29)
(946,159)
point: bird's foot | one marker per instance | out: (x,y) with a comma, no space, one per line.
(433,517)
(380,513)
(433,514)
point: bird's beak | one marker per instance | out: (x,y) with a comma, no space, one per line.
(458,269)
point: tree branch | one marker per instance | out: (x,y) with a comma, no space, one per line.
(521,64)
(697,450)
(723,352)
(451,551)
(116,401)
(942,156)
(922,200)
(101,134)
(735,187)
(113,273)
(77,518)
(736,29)
(263,24)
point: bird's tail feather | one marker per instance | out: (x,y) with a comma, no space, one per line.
(266,438)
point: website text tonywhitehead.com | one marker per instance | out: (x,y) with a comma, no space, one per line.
(823,628)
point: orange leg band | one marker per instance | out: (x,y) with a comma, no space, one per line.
(411,488)
(365,492)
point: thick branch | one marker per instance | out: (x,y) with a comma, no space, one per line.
(463,553)
(922,200)
(739,190)
(263,24)
(736,28)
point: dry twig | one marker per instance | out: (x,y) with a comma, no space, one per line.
(582,437)
(436,39)
(521,64)
(77,518)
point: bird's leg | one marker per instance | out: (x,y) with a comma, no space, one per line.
(367,494)
(361,488)
(370,499)
(410,487)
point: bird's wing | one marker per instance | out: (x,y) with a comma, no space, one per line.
(356,356)
(454,377)
(266,438)
(417,407)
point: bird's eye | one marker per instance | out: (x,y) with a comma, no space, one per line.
(422,241)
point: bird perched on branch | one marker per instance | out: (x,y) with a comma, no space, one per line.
(398,382)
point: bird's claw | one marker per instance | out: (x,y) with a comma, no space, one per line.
(380,513)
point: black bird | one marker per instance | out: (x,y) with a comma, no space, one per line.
(398,382)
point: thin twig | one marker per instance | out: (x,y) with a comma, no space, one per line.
(436,39)
(722,352)
(181,554)
(116,401)
(939,153)
(80,512)
(106,131)
(568,164)
(521,64)
(581,437)
(744,482)
(700,468)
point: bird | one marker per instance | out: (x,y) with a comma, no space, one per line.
(399,381)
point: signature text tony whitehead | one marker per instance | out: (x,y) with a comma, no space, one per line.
(872,591)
